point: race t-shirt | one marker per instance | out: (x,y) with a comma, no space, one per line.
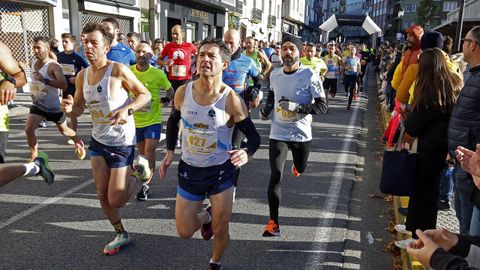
(182,60)
(236,73)
(333,66)
(123,54)
(157,83)
(351,65)
(315,63)
(301,87)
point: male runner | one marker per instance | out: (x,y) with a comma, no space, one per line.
(103,88)
(295,93)
(118,52)
(352,69)
(46,88)
(148,120)
(364,60)
(209,109)
(333,63)
(12,76)
(71,63)
(258,57)
(133,39)
(315,63)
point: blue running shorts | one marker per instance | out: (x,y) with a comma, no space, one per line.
(195,183)
(148,132)
(115,156)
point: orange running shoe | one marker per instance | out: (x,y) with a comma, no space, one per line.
(295,172)
(271,229)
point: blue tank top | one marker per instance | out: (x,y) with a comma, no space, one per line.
(236,73)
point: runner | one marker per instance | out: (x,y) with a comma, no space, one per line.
(118,52)
(364,60)
(295,93)
(71,63)
(316,64)
(12,77)
(241,67)
(259,57)
(102,88)
(351,68)
(46,88)
(39,166)
(208,109)
(333,63)
(148,120)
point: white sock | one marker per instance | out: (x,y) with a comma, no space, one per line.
(31,169)
(209,217)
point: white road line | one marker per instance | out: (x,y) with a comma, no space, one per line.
(317,260)
(43,204)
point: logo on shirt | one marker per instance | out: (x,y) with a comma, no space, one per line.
(191,112)
(99,89)
(211,113)
(178,54)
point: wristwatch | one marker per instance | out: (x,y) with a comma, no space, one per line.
(46,81)
(8,77)
(130,111)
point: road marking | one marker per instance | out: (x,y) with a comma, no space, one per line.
(43,204)
(317,260)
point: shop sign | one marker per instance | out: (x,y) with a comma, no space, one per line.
(200,14)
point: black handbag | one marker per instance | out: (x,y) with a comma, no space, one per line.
(400,168)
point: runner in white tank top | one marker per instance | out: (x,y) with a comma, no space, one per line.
(103,88)
(208,109)
(47,84)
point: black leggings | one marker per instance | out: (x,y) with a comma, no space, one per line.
(237,140)
(277,155)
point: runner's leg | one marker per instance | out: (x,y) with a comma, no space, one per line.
(221,213)
(32,124)
(277,155)
(187,217)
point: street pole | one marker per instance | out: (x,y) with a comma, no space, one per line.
(458,35)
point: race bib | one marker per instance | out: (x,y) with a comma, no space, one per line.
(286,116)
(68,69)
(37,89)
(201,141)
(179,70)
(100,115)
(330,74)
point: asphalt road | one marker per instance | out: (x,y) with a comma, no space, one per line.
(326,217)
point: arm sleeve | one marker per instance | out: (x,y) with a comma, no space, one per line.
(172,129)
(269,103)
(318,107)
(253,138)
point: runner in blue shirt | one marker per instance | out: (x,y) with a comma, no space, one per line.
(119,52)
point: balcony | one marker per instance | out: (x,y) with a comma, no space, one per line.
(256,15)
(272,21)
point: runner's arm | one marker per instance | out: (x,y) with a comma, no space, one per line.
(59,80)
(266,62)
(78,103)
(10,66)
(268,103)
(174,119)
(132,84)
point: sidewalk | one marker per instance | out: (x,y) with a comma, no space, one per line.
(445,219)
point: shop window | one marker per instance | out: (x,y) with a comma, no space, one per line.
(191,30)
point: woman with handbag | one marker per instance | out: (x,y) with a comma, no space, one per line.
(435,95)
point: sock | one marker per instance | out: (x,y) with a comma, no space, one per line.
(217,263)
(119,227)
(209,217)
(31,169)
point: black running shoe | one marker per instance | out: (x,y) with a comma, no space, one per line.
(143,193)
(214,266)
(206,230)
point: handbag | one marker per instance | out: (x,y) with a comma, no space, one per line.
(400,168)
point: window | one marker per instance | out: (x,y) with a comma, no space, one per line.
(191,29)
(449,6)
(206,31)
(411,7)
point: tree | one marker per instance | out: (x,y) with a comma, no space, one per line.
(425,12)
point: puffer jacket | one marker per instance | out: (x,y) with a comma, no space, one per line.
(464,125)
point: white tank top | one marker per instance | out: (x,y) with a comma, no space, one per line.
(206,139)
(46,98)
(102,106)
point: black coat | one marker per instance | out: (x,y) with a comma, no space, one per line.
(464,126)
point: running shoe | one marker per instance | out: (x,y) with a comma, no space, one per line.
(294,171)
(206,230)
(80,150)
(349,107)
(214,266)
(143,193)
(42,162)
(272,229)
(43,124)
(70,142)
(142,169)
(113,247)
